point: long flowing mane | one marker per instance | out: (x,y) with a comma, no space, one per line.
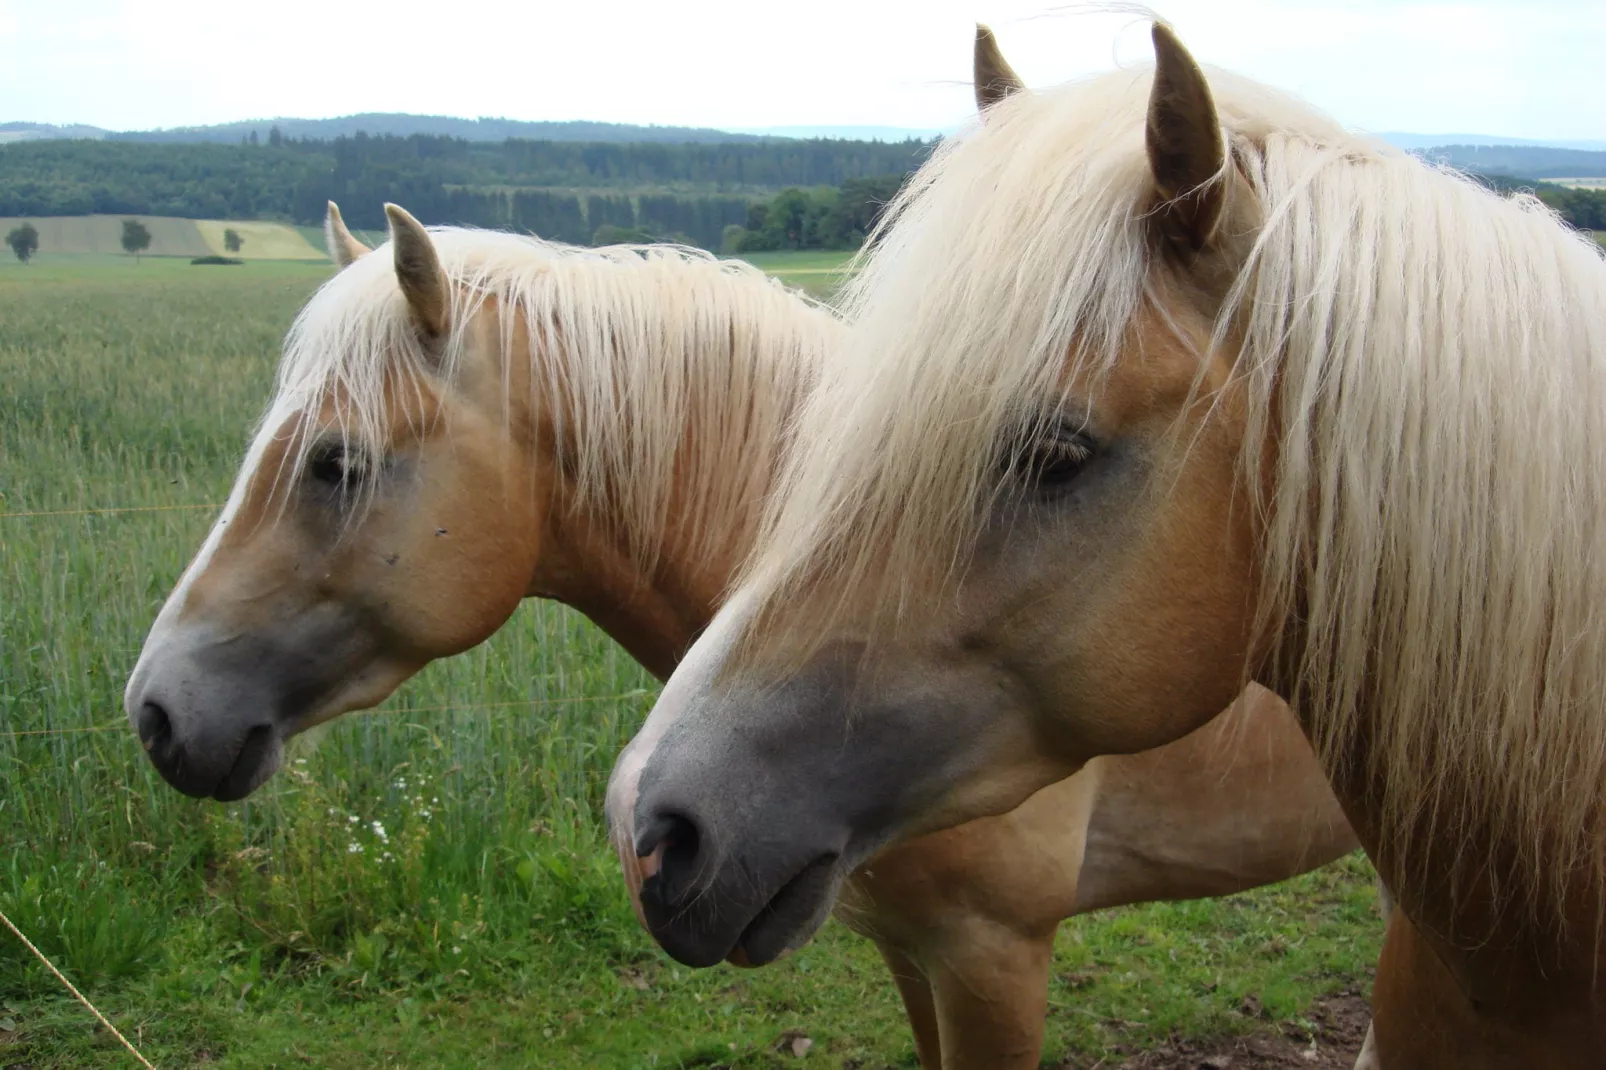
(674,373)
(1430,357)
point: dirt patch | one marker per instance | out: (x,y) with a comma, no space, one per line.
(1340,1020)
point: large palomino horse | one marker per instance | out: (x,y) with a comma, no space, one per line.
(467,419)
(1166,382)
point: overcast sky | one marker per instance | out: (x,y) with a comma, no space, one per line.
(1525,68)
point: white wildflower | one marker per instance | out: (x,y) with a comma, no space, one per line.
(354,848)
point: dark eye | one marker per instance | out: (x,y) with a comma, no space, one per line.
(1054,459)
(334,466)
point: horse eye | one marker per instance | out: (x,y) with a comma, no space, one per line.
(1055,459)
(334,466)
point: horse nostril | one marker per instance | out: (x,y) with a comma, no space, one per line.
(668,846)
(155,727)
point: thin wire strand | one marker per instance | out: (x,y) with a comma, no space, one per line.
(112,509)
(122,723)
(79,996)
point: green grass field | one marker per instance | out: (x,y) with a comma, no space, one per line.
(486,925)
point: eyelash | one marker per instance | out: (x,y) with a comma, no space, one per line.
(335,466)
(1054,460)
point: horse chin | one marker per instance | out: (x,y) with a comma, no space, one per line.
(262,752)
(714,926)
(260,757)
(792,917)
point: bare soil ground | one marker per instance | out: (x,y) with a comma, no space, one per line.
(1340,1026)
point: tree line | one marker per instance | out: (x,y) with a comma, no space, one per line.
(439,179)
(599,219)
(743,196)
(1585,208)
(1580,207)
(825,217)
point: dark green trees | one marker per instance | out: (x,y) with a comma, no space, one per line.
(24,241)
(136,239)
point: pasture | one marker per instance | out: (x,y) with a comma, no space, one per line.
(427,885)
(101,235)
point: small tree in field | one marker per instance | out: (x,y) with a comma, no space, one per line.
(24,241)
(136,239)
(232,240)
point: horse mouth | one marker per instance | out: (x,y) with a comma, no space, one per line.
(257,761)
(791,916)
(254,762)
(197,767)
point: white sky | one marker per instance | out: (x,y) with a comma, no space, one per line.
(1524,68)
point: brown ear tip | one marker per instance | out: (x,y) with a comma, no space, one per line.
(983,31)
(401,219)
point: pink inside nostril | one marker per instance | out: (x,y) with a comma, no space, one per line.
(661,847)
(649,865)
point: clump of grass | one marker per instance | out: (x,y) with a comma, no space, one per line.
(120,936)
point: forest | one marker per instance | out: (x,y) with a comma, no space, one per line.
(1582,208)
(560,189)
(737,196)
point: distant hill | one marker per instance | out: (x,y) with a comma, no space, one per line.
(846,133)
(1433,141)
(382,123)
(402,125)
(41,131)
(491,129)
(1525,161)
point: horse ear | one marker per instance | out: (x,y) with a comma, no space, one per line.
(995,78)
(1186,153)
(343,248)
(418,269)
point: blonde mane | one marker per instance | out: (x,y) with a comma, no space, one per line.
(668,371)
(1431,357)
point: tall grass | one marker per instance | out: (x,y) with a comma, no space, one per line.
(427,884)
(483,776)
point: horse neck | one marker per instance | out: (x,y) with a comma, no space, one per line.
(653,591)
(1493,958)
(653,608)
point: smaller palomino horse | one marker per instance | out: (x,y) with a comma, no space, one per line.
(466,419)
(1159,382)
